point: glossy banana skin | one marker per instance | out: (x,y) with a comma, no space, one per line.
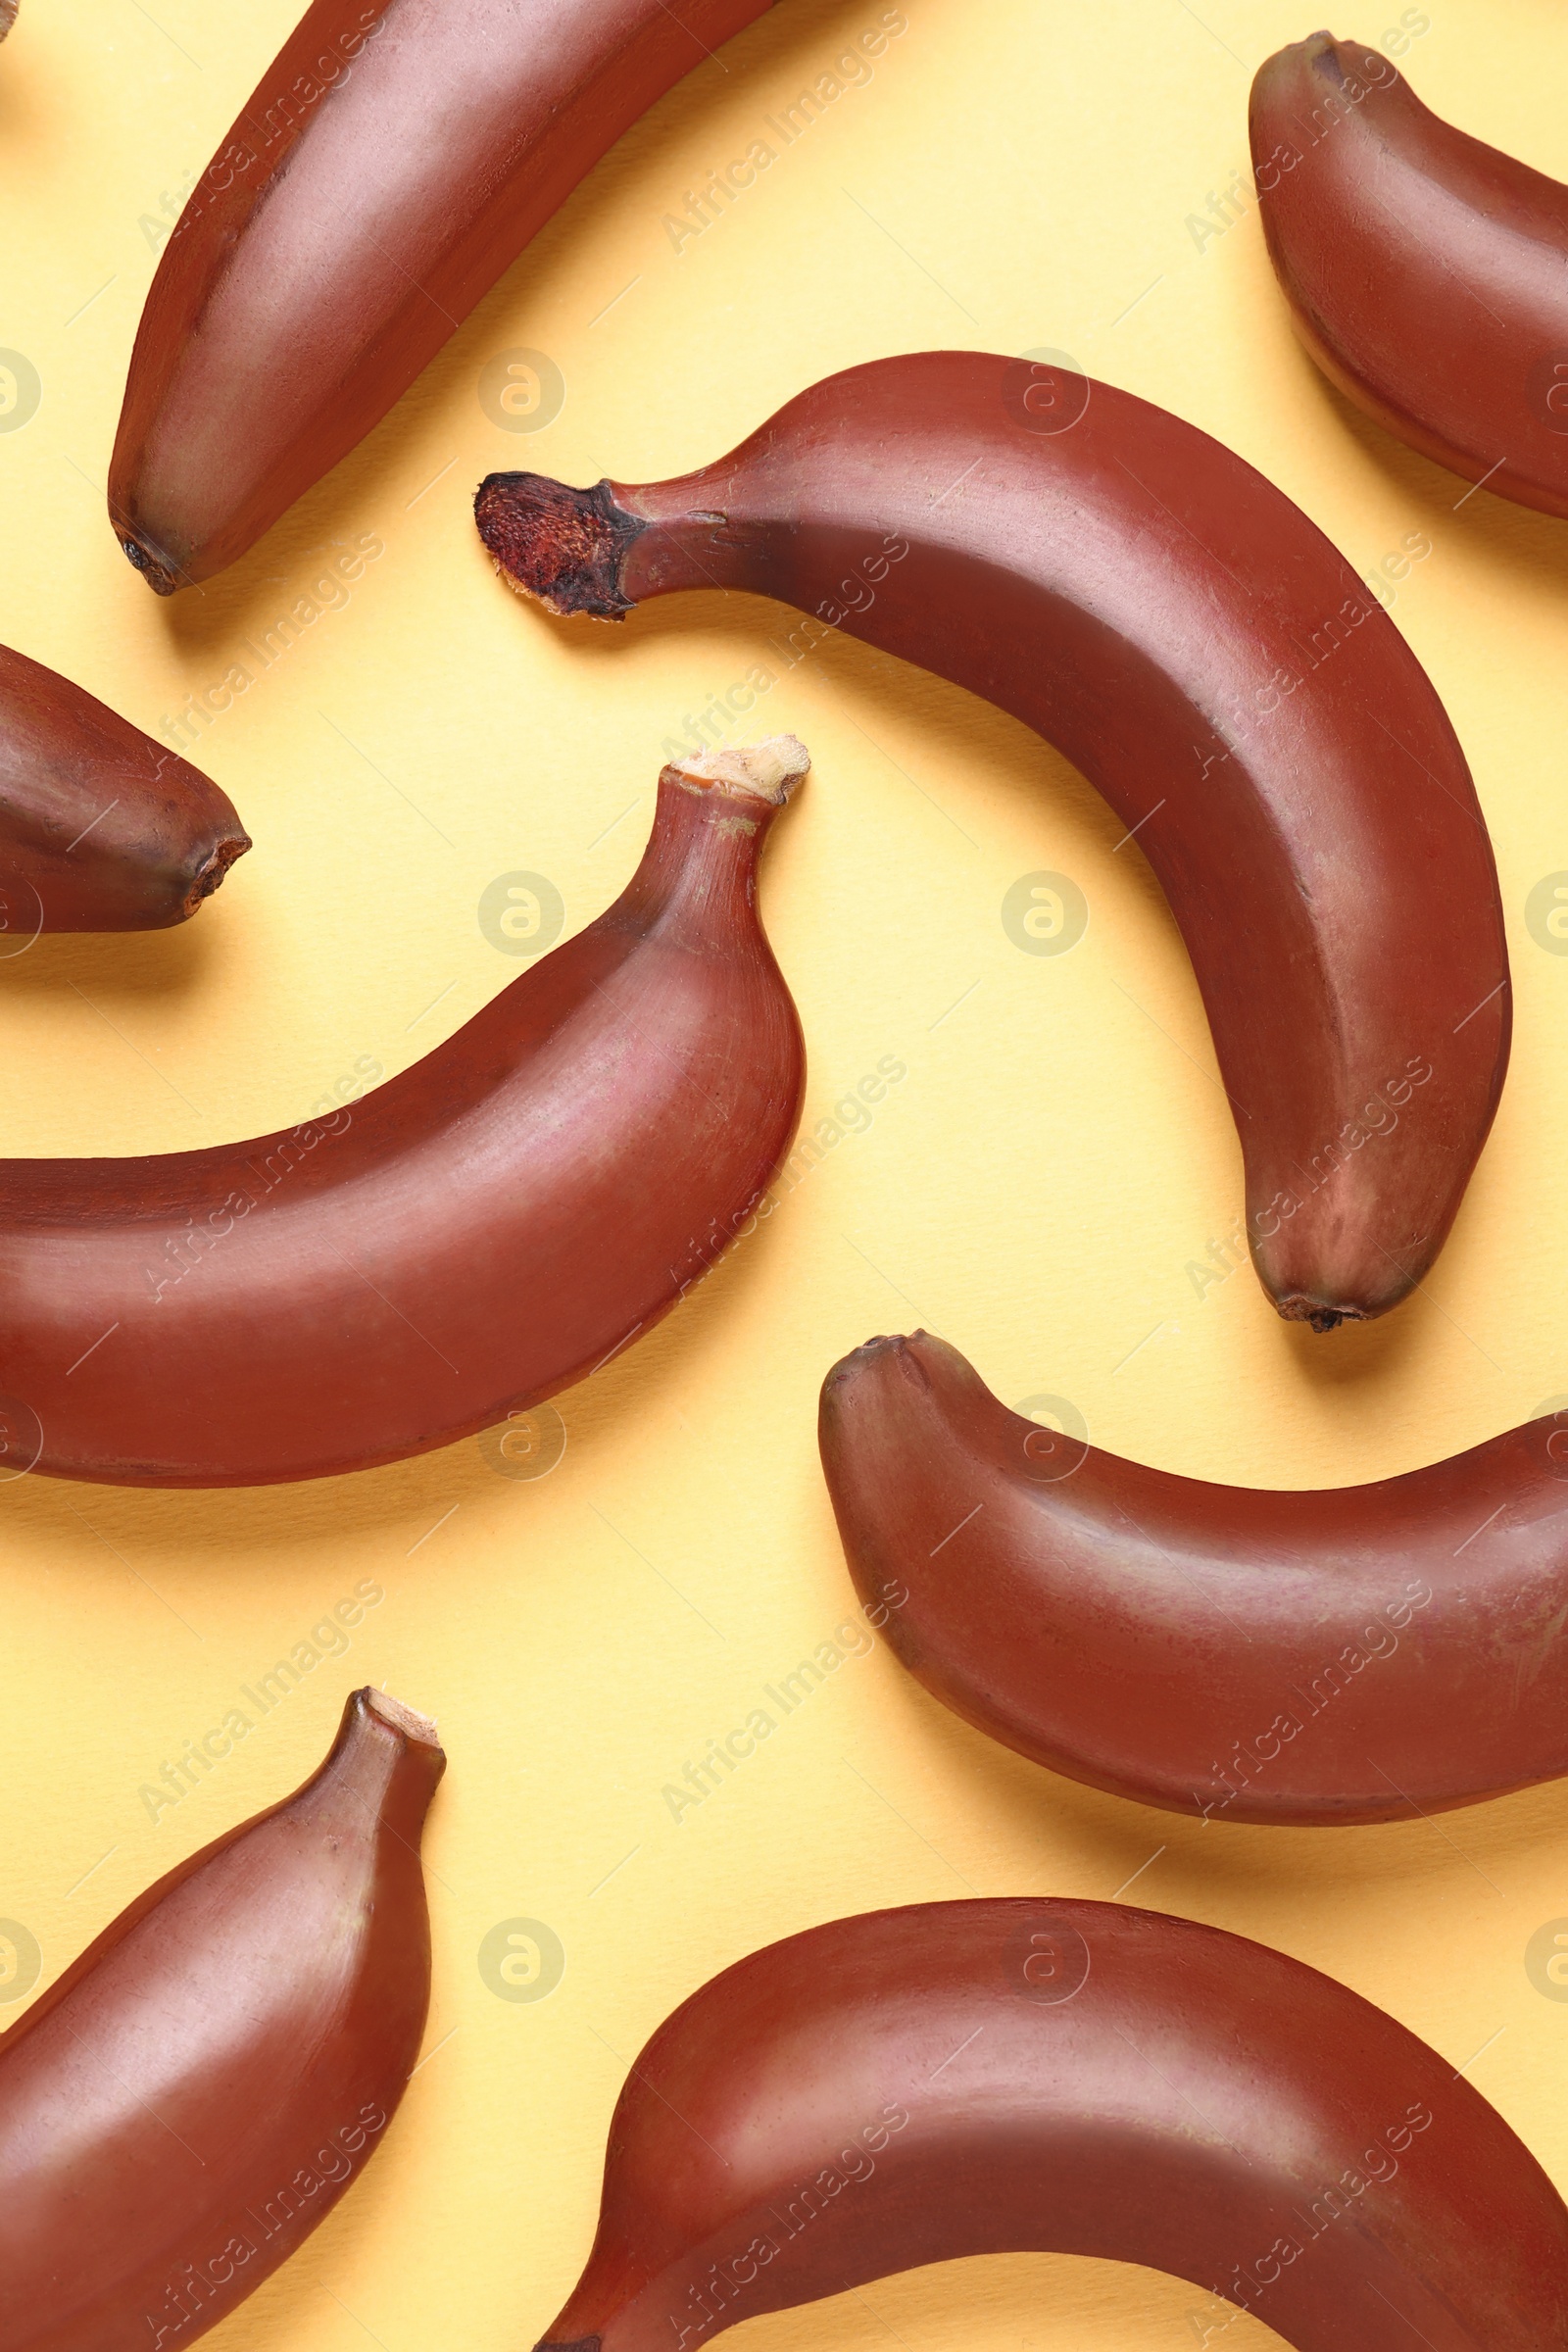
(394,159)
(1185,636)
(1346,1654)
(195,2093)
(1004,2076)
(1426,272)
(101,829)
(489,1226)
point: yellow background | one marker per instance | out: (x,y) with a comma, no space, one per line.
(1015,176)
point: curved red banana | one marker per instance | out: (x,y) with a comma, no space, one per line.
(394,159)
(1346,1654)
(1173,624)
(475,1234)
(1426,272)
(196,2093)
(101,829)
(1077,2078)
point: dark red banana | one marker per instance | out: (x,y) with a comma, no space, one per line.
(395,157)
(1191,641)
(196,2093)
(1347,1654)
(1426,273)
(988,2078)
(101,829)
(482,1230)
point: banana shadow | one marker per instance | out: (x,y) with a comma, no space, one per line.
(1024,772)
(1515,539)
(1144,1855)
(26,111)
(122,968)
(1359,1356)
(1029,2301)
(209,615)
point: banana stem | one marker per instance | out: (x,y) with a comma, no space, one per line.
(563,545)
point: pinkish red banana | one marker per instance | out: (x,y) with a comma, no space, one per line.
(1427,272)
(191,2098)
(1183,633)
(1062,2077)
(101,829)
(1347,1654)
(496,1222)
(393,160)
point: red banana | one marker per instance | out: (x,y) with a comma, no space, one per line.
(1346,1654)
(394,159)
(101,829)
(196,2093)
(1185,635)
(979,2077)
(482,1230)
(1426,272)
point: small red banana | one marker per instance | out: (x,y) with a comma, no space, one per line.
(1187,637)
(101,829)
(1426,273)
(201,2087)
(477,1233)
(393,160)
(1078,2078)
(1347,1654)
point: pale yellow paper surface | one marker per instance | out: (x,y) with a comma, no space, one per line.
(1015,176)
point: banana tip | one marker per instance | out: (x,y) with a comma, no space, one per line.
(159,575)
(1298,1310)
(208,876)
